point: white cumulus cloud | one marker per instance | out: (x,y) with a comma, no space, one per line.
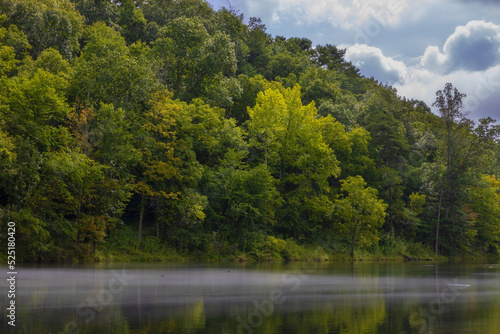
(470,60)
(473,47)
(373,63)
(482,88)
(339,13)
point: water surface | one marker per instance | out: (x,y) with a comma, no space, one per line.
(293,298)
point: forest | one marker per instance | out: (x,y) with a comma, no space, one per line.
(164,129)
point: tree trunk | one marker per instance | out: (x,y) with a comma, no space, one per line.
(139,234)
(438,220)
(353,238)
(352,248)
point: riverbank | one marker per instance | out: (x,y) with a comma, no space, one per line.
(269,249)
(125,247)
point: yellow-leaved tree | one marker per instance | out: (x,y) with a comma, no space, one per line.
(297,147)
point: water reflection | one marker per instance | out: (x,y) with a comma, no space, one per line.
(269,298)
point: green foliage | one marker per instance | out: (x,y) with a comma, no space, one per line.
(258,55)
(297,154)
(110,136)
(264,248)
(7,59)
(398,247)
(484,214)
(285,59)
(251,87)
(108,72)
(164,11)
(417,202)
(32,233)
(7,153)
(460,153)
(389,142)
(12,39)
(132,22)
(155,128)
(319,85)
(97,11)
(241,199)
(46,23)
(360,212)
(194,63)
(284,128)
(13,47)
(268,249)
(33,106)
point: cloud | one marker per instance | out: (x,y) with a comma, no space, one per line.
(372,62)
(482,88)
(486,2)
(473,47)
(435,48)
(470,61)
(344,14)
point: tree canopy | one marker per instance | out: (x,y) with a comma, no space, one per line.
(167,124)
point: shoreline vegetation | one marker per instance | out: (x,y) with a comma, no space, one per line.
(271,249)
(164,130)
(268,249)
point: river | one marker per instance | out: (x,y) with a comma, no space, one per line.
(360,297)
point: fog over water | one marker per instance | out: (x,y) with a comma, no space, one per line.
(266,298)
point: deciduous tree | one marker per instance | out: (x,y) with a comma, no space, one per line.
(361,214)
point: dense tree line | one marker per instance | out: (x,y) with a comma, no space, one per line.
(198,130)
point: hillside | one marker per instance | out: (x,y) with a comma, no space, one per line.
(166,130)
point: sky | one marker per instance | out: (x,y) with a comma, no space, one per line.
(415,46)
